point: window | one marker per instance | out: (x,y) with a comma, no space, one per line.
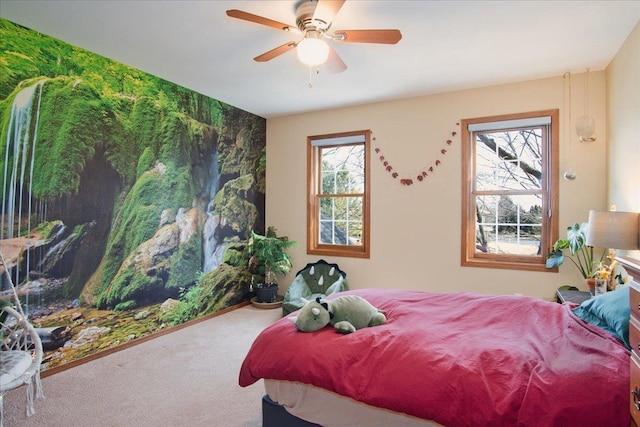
(338,194)
(509,190)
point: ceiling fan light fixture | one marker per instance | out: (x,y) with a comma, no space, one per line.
(313,20)
(312,51)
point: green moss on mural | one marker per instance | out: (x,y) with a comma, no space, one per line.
(261,170)
(68,136)
(145,124)
(234,254)
(185,263)
(233,202)
(223,287)
(145,162)
(127,305)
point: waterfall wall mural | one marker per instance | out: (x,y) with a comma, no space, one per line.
(127,200)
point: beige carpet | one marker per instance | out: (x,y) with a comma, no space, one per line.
(184,378)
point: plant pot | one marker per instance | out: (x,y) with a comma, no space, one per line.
(267,292)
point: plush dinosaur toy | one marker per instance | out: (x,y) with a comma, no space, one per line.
(346,313)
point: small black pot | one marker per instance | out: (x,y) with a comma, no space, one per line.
(267,292)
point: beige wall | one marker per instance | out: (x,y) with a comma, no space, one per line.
(623,115)
(415,237)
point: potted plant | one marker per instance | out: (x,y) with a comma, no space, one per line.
(580,254)
(267,258)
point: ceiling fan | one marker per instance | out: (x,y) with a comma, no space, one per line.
(313,20)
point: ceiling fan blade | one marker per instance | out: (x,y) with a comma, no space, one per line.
(334,63)
(235,13)
(369,36)
(326,10)
(267,56)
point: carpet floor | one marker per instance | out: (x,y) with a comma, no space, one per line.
(184,378)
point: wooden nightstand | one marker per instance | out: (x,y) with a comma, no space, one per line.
(572,295)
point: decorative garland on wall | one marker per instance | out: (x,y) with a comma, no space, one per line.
(424,173)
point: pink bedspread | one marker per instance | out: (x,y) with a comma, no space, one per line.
(460,359)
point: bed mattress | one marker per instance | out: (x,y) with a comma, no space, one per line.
(330,409)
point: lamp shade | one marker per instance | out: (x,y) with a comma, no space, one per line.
(613,230)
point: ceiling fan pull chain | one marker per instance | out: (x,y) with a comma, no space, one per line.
(311,73)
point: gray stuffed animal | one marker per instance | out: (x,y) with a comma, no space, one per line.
(346,313)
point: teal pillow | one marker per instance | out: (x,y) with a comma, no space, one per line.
(610,312)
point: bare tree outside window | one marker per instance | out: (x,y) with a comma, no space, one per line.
(510,190)
(338,201)
(342,193)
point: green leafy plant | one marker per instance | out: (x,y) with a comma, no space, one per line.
(268,254)
(580,254)
(188,306)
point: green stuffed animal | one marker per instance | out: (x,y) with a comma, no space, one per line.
(346,313)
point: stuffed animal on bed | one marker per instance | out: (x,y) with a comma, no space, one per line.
(346,313)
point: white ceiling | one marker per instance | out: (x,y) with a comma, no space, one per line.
(446,45)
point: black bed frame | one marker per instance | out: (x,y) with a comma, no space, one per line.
(274,415)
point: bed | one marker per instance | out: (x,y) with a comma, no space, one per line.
(457,359)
